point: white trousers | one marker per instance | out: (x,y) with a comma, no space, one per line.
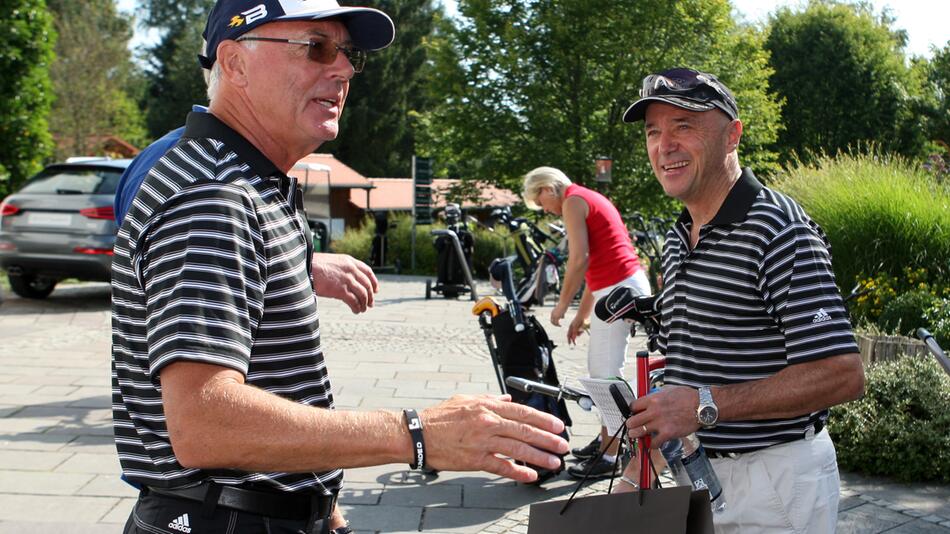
(788,488)
(608,342)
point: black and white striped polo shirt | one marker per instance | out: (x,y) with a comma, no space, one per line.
(755,295)
(212,265)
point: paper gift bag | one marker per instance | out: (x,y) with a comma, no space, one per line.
(675,510)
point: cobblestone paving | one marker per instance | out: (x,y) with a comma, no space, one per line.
(58,471)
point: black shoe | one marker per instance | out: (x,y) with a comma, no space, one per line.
(601,469)
(587,451)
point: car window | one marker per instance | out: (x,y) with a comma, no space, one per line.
(74,181)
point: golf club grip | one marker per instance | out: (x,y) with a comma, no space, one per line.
(621,402)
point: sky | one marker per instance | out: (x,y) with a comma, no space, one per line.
(926,21)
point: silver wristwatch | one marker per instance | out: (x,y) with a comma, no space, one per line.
(708,412)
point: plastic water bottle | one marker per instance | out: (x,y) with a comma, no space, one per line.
(673,452)
(688,455)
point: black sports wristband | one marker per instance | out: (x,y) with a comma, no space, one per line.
(418,444)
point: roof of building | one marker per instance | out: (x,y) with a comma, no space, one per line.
(397,194)
(342,176)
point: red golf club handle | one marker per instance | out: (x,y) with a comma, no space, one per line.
(643,384)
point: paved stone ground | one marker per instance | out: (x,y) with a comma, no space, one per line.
(59,472)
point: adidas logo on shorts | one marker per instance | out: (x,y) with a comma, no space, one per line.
(181,524)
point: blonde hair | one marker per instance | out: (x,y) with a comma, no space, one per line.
(540,178)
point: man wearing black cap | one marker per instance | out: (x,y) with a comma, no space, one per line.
(757,340)
(222,404)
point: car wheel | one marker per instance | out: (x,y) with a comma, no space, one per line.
(30,286)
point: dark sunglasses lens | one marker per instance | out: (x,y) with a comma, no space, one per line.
(325,51)
(322,51)
(677,80)
(357,59)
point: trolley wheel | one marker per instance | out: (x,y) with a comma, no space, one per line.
(428,289)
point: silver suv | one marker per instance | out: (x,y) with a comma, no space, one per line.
(60,224)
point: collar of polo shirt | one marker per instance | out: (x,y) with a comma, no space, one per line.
(736,206)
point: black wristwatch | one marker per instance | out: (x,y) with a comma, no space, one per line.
(708,412)
(345,529)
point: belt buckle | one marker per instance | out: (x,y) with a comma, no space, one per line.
(724,454)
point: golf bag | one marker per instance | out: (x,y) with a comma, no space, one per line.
(537,267)
(520,347)
(528,354)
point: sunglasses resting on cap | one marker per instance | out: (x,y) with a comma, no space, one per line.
(685,88)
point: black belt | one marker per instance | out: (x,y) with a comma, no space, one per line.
(725,453)
(283,505)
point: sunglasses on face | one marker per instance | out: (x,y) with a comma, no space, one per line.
(322,50)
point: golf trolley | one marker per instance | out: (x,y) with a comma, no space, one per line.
(454,246)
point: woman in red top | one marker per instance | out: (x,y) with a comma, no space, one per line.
(600,252)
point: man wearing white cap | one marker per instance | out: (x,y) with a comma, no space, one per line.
(222,403)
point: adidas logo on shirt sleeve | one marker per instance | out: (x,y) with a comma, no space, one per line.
(821,316)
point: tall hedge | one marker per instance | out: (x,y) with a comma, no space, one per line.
(877,211)
(26,51)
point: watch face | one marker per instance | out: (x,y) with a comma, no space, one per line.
(708,415)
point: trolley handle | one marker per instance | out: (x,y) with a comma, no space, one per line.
(500,270)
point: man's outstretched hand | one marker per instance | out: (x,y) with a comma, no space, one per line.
(343,277)
(488,433)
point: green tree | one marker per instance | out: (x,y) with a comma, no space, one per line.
(842,72)
(26,50)
(939,77)
(377,131)
(527,83)
(175,80)
(93,78)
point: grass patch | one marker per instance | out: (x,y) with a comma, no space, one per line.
(877,210)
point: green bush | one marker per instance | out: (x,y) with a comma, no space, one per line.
(905,314)
(488,246)
(938,322)
(901,427)
(357,242)
(876,210)
(881,289)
